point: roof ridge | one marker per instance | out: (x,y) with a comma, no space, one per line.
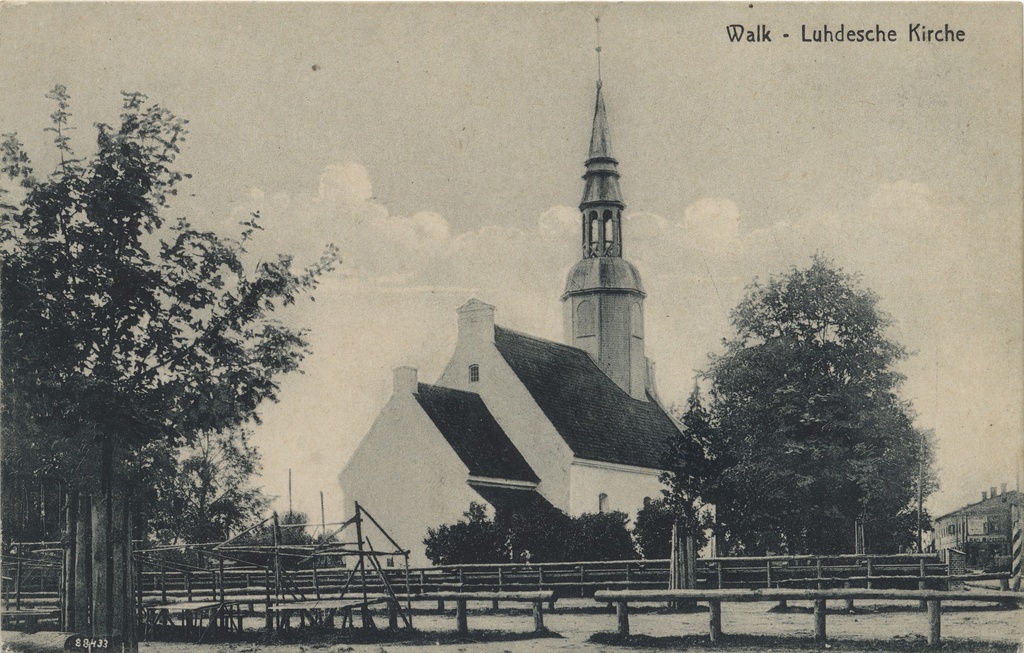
(434,386)
(539,339)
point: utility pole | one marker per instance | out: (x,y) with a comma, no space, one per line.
(920,492)
(323,518)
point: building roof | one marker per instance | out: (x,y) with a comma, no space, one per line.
(474,435)
(604,273)
(601,178)
(596,418)
(1012,497)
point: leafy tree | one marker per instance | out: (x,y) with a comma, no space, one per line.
(691,465)
(210,495)
(121,330)
(599,536)
(653,530)
(807,415)
(474,539)
(533,531)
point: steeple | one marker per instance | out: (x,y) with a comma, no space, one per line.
(602,199)
(603,300)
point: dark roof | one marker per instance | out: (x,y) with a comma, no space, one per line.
(506,499)
(595,417)
(470,429)
(985,506)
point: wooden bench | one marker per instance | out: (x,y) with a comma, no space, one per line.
(460,598)
(715,598)
(192,614)
(27,619)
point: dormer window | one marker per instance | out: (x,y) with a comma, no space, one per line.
(474,373)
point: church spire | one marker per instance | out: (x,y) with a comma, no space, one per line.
(602,203)
(603,300)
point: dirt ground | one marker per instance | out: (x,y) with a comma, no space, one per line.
(578,626)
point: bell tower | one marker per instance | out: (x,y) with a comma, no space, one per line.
(602,306)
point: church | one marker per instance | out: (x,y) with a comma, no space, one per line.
(578,424)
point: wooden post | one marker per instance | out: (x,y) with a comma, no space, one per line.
(622,616)
(270,615)
(922,584)
(139,590)
(768,573)
(367,620)
(849,602)
(392,614)
(163,586)
(461,622)
(538,616)
(715,620)
(869,574)
(934,623)
(819,620)
(720,573)
(188,586)
(818,571)
(494,603)
(583,582)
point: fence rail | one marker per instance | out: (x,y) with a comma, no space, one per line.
(31,577)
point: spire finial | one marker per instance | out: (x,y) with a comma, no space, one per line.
(597,24)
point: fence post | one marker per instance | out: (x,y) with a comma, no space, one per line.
(921,584)
(538,616)
(163,586)
(392,614)
(266,586)
(868,584)
(819,620)
(715,620)
(934,623)
(494,603)
(462,623)
(622,616)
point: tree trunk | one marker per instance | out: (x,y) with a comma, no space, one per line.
(102,567)
(67,608)
(83,564)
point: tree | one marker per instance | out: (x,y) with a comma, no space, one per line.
(472,540)
(653,530)
(806,411)
(122,331)
(530,531)
(210,496)
(691,465)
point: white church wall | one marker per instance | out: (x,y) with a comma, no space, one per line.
(625,487)
(511,404)
(406,475)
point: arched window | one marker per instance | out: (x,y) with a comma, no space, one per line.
(474,373)
(602,502)
(609,227)
(595,227)
(636,320)
(586,320)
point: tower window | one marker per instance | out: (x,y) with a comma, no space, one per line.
(474,373)
(609,227)
(636,320)
(586,320)
(602,502)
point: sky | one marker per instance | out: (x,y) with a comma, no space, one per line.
(440,147)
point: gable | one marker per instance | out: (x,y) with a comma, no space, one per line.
(596,418)
(473,434)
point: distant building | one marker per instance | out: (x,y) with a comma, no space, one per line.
(515,419)
(982,530)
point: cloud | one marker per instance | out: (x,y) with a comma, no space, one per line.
(940,272)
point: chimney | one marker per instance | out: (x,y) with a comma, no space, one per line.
(1002,489)
(992,492)
(405,380)
(476,322)
(984,495)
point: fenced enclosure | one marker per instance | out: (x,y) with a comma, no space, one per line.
(255,579)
